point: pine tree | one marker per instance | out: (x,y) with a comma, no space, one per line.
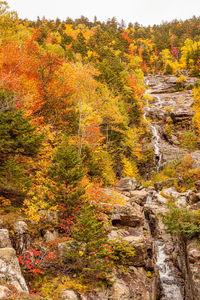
(18,141)
(87,251)
(67,169)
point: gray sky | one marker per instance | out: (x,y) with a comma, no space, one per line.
(146,12)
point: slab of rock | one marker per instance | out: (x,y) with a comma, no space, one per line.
(127,184)
(5,293)
(118,234)
(22,239)
(163,183)
(20,227)
(10,272)
(69,295)
(50,236)
(4,238)
(196,159)
(181,198)
(182,115)
(119,291)
(127,215)
(193,197)
(114,236)
(160,199)
(193,252)
(140,247)
(138,197)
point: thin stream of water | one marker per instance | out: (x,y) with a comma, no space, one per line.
(154,130)
(171,289)
(157,152)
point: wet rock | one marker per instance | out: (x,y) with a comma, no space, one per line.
(127,215)
(4,238)
(138,197)
(149,265)
(152,220)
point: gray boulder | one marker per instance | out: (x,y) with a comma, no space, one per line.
(69,295)
(127,215)
(127,184)
(10,272)
(4,238)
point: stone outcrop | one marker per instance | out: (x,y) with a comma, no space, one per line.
(186,256)
(161,261)
(193,255)
(183,254)
(69,295)
(135,286)
(127,184)
(50,236)
(127,215)
(22,237)
(10,272)
(167,103)
(4,239)
(138,197)
(139,244)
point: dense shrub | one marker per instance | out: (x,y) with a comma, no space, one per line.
(182,221)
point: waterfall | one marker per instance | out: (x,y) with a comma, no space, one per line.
(156,139)
(170,287)
(146,108)
(154,130)
(159,101)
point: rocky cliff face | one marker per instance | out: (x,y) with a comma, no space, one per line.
(10,273)
(169,113)
(170,116)
(172,259)
(164,267)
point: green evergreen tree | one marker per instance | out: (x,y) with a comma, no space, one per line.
(87,252)
(17,140)
(68,169)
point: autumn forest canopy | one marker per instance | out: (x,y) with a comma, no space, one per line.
(72,97)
